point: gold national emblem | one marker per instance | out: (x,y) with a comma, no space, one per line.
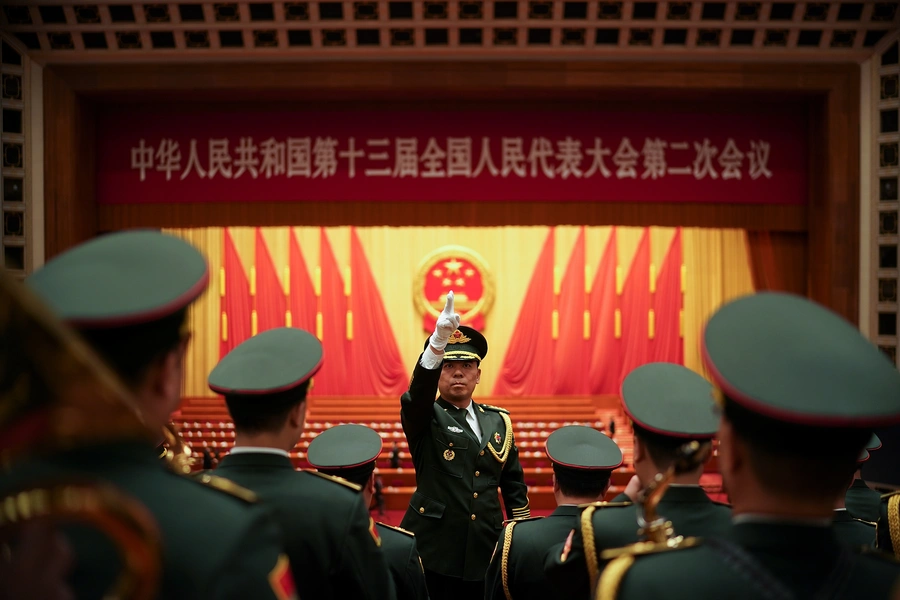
(449,454)
(459,269)
(458,337)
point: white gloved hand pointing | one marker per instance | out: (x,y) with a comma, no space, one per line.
(447,323)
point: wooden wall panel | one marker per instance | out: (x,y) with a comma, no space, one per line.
(470,214)
(829,93)
(70,212)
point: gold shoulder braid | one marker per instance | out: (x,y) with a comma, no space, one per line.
(612,578)
(590,547)
(501,456)
(504,558)
(893,508)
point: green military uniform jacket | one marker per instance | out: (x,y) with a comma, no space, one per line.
(614,525)
(403,560)
(862,501)
(519,557)
(329,536)
(853,531)
(756,560)
(455,511)
(214,544)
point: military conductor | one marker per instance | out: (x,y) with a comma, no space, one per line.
(462,451)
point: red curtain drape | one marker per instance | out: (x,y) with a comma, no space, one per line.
(636,310)
(234,325)
(605,358)
(571,353)
(667,345)
(302,300)
(270,302)
(373,358)
(332,380)
(778,261)
(528,365)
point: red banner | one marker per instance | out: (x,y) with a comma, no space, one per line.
(447,156)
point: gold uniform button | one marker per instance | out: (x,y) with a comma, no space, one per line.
(451,444)
(481,453)
(477,473)
(473,517)
(422,509)
(475,495)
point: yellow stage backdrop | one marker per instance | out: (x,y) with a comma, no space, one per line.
(716,264)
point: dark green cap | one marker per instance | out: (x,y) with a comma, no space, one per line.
(122,279)
(874,443)
(580,448)
(348,451)
(274,361)
(465,344)
(789,359)
(670,400)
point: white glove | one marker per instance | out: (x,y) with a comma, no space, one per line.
(447,323)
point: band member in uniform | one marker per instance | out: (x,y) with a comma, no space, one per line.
(583,460)
(669,405)
(849,528)
(128,294)
(330,537)
(801,390)
(462,452)
(862,502)
(350,451)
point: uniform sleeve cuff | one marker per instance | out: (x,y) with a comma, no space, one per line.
(429,360)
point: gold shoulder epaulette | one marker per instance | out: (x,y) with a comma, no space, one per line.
(889,494)
(497,408)
(521,519)
(605,504)
(227,486)
(339,480)
(400,529)
(644,548)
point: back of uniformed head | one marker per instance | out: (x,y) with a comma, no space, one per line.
(265,376)
(127,293)
(801,386)
(348,451)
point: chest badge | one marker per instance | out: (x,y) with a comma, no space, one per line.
(454,429)
(449,454)
(497,437)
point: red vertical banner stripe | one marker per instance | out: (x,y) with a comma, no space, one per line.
(636,310)
(332,380)
(668,301)
(270,300)
(604,361)
(301,294)
(528,365)
(571,352)
(234,325)
(373,355)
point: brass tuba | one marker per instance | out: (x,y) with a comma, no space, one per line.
(176,451)
(56,394)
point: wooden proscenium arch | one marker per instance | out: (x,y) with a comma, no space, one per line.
(828,224)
